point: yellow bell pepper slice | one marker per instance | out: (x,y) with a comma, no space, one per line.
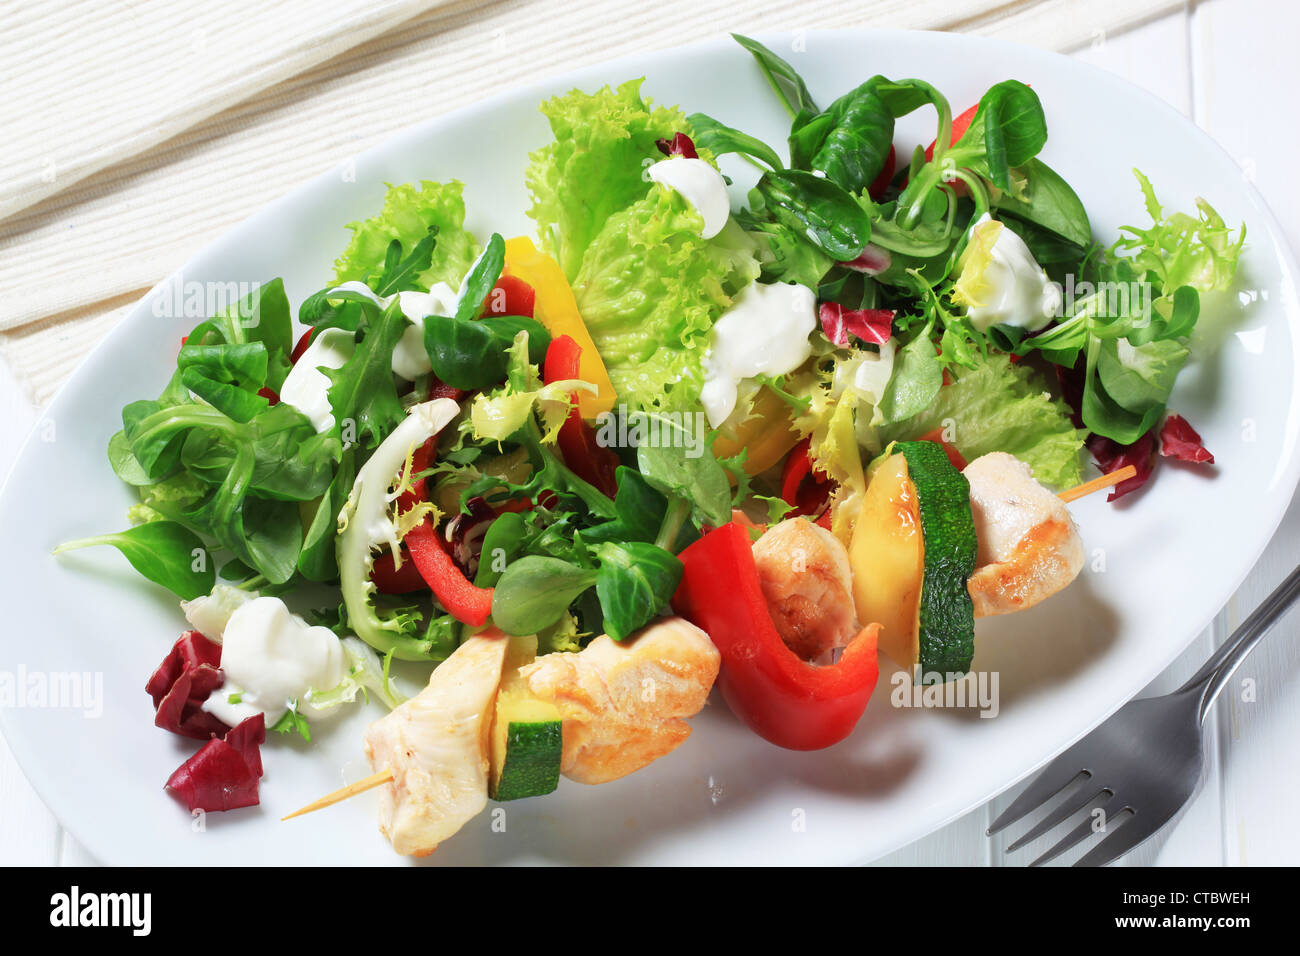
(557,310)
(767,435)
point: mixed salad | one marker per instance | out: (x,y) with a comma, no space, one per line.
(670,442)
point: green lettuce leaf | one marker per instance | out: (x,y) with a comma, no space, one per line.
(1000,406)
(1181,249)
(649,290)
(409,212)
(595,166)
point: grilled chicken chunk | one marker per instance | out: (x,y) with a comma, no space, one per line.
(805,576)
(436,745)
(1029,547)
(623,703)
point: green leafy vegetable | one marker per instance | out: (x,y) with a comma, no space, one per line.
(164,552)
(818,209)
(595,166)
(635,581)
(650,288)
(536,591)
(1000,406)
(409,213)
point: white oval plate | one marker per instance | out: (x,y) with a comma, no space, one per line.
(1161,565)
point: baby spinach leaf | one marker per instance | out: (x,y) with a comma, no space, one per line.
(124,463)
(917,378)
(1008,130)
(1140,377)
(1049,202)
(817,209)
(535,591)
(672,467)
(474,353)
(720,139)
(504,541)
(165,552)
(634,582)
(640,511)
(783,77)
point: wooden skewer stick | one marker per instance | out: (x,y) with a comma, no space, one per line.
(1105,481)
(351,790)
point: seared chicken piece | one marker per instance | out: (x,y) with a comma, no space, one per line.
(1029,547)
(623,702)
(804,572)
(436,745)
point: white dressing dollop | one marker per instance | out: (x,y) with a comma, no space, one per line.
(306,388)
(765,332)
(700,185)
(410,358)
(272,660)
(1001,283)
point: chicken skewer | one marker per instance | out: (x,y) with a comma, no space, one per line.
(433,750)
(791,612)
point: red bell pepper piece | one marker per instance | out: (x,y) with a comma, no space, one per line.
(584,455)
(960,124)
(949,449)
(303,342)
(463,600)
(393,580)
(510,296)
(782,698)
(406,579)
(881,182)
(801,486)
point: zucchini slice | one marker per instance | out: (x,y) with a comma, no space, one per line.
(527,742)
(912,552)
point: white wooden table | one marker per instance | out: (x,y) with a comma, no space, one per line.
(1231,66)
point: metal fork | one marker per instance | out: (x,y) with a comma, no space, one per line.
(1145,761)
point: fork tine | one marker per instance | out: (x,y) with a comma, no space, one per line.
(1049,782)
(1063,811)
(1124,838)
(1081,832)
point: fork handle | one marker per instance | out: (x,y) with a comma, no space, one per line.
(1215,672)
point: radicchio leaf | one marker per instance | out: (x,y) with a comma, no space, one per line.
(188,674)
(1111,456)
(224,774)
(873,326)
(680,145)
(1180,440)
